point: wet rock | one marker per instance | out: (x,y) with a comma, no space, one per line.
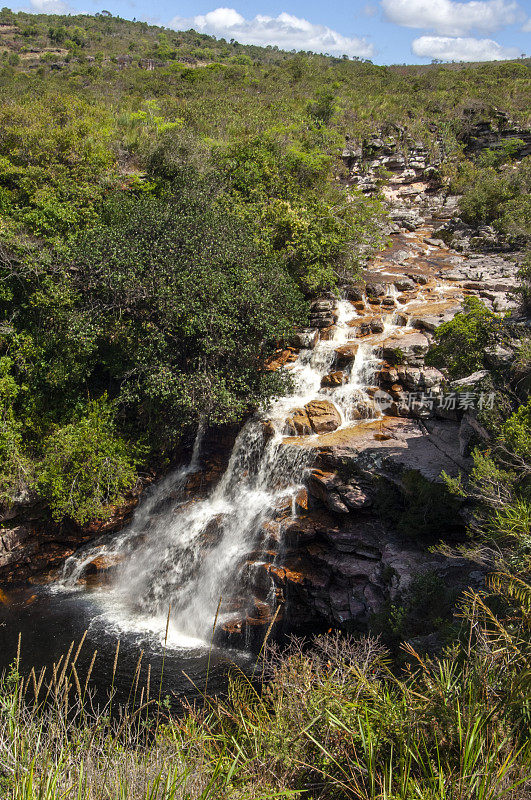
(354,293)
(404,285)
(301,501)
(213,532)
(305,339)
(321,484)
(298,423)
(323,416)
(328,334)
(375,289)
(422,280)
(362,409)
(268,429)
(334,379)
(281,358)
(346,354)
(322,320)
(325,487)
(104,563)
(322,314)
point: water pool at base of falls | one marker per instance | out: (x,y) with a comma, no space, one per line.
(48,622)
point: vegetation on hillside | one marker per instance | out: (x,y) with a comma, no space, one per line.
(122,146)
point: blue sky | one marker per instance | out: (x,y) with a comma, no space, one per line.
(386,31)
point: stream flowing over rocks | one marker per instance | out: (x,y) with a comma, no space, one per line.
(300,527)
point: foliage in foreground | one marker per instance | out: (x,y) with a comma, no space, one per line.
(332,721)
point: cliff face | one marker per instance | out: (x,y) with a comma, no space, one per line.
(375,502)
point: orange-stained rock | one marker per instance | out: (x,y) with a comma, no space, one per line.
(323,416)
(334,379)
(268,428)
(301,500)
(327,334)
(346,354)
(281,358)
(102,565)
(298,423)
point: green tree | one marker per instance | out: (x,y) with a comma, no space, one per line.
(188,309)
(86,466)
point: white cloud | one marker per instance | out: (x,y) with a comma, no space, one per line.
(462,49)
(50,7)
(527,26)
(286,31)
(453,19)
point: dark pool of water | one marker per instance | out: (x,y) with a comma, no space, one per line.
(49,621)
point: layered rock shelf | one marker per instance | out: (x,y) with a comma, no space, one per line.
(340,560)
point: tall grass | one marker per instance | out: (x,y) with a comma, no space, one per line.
(329,721)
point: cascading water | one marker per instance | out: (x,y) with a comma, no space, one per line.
(188,555)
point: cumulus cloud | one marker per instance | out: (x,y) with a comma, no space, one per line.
(462,49)
(453,19)
(286,31)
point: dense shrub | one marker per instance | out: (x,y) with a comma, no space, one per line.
(86,466)
(460,343)
(498,197)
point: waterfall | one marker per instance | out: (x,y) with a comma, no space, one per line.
(187,554)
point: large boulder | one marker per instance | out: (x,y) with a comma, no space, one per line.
(323,416)
(409,349)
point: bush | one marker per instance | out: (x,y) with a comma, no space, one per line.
(86,466)
(15,466)
(430,509)
(460,343)
(187,309)
(516,432)
(500,197)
